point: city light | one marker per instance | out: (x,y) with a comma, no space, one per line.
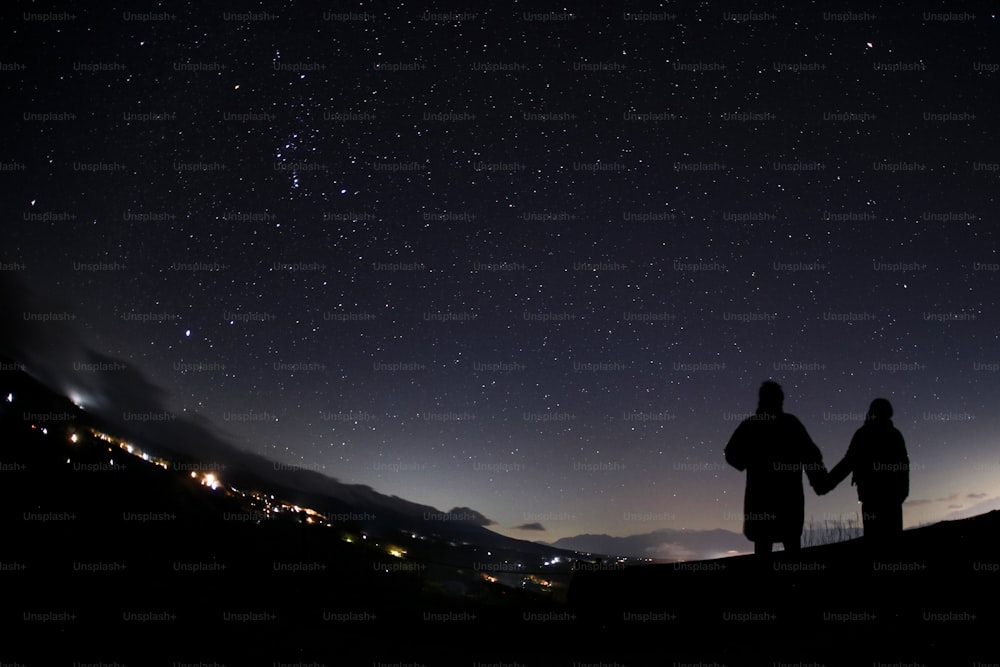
(77,399)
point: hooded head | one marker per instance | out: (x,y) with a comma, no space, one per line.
(879,409)
(770,398)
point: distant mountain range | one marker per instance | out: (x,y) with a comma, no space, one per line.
(666,544)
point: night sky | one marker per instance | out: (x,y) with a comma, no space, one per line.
(533,260)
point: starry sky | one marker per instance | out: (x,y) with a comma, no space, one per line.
(534,260)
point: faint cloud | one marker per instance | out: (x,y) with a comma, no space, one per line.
(950,498)
(530,526)
(982,506)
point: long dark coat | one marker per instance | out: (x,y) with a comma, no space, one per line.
(774,449)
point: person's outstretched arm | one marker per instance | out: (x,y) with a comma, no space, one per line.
(845,467)
(813,464)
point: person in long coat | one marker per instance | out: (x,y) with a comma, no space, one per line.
(775,449)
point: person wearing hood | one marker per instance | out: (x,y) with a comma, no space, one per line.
(877,457)
(775,449)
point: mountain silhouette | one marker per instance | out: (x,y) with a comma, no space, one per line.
(366,508)
(664,544)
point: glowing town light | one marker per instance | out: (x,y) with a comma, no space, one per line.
(397,552)
(10,398)
(211,481)
(194,475)
(73,438)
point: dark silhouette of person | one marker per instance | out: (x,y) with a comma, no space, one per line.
(774,448)
(877,457)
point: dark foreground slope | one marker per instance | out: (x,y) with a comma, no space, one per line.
(929,598)
(131,564)
(107,558)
